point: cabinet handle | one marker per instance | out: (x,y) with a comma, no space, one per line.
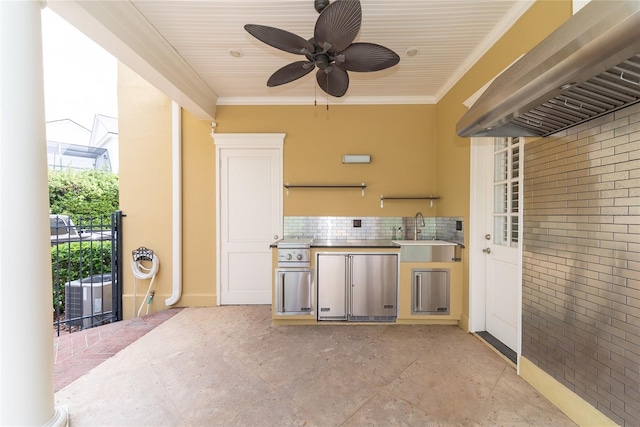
(281,299)
(419,292)
(349,282)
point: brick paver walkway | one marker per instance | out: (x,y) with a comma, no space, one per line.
(76,353)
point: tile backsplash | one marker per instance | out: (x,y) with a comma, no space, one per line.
(342,228)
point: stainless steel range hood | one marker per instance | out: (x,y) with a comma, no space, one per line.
(588,67)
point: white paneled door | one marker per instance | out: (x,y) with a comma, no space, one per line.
(503,242)
(249,214)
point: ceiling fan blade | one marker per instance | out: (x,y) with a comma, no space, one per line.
(364,57)
(339,24)
(280,39)
(335,83)
(290,72)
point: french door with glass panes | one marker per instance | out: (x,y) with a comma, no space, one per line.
(503,243)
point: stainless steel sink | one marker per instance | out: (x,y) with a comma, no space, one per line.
(423,243)
(428,251)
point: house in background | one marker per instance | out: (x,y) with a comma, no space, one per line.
(72,146)
(104,134)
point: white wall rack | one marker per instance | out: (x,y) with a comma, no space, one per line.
(361,186)
(430,198)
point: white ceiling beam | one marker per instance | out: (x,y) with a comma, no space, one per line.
(124,32)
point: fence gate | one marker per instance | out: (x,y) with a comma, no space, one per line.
(86,271)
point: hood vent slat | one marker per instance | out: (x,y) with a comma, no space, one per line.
(588,67)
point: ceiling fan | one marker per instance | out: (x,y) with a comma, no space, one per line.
(331,49)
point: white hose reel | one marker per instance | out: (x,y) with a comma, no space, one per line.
(143,273)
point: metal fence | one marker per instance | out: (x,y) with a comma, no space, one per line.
(86,271)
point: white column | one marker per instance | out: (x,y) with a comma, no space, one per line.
(26,333)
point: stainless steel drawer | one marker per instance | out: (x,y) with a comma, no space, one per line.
(294,292)
(430,291)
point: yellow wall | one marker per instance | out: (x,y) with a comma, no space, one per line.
(399,138)
(198,214)
(144,128)
(453,152)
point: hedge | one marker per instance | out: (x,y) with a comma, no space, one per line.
(83,194)
(72,261)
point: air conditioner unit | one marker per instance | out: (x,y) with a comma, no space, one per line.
(88,300)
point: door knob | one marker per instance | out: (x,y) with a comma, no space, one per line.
(487,250)
(487,236)
(275,237)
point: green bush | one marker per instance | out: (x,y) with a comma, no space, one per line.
(83,193)
(72,261)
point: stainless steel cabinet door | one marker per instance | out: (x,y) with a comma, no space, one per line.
(332,287)
(374,283)
(430,292)
(295,291)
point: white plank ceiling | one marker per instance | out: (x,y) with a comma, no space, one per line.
(183,46)
(448,34)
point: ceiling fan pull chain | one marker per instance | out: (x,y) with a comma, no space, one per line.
(327,74)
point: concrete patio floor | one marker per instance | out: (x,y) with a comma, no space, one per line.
(230,366)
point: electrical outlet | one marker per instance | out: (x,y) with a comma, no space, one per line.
(459,225)
(357,223)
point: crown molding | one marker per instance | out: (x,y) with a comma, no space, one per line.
(354,100)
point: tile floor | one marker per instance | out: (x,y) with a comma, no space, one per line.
(230,366)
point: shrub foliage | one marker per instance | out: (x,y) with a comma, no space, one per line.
(72,261)
(83,194)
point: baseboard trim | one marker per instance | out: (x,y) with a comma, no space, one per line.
(464,322)
(576,408)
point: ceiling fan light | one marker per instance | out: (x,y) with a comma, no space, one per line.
(412,51)
(236,53)
(322,61)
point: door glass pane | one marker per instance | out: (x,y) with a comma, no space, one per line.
(515,232)
(500,230)
(506,191)
(500,143)
(500,166)
(500,198)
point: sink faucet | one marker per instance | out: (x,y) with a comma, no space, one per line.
(416,231)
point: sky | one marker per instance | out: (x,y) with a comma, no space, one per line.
(80,77)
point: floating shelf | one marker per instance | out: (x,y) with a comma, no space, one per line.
(430,198)
(361,186)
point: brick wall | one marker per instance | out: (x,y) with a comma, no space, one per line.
(581,278)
